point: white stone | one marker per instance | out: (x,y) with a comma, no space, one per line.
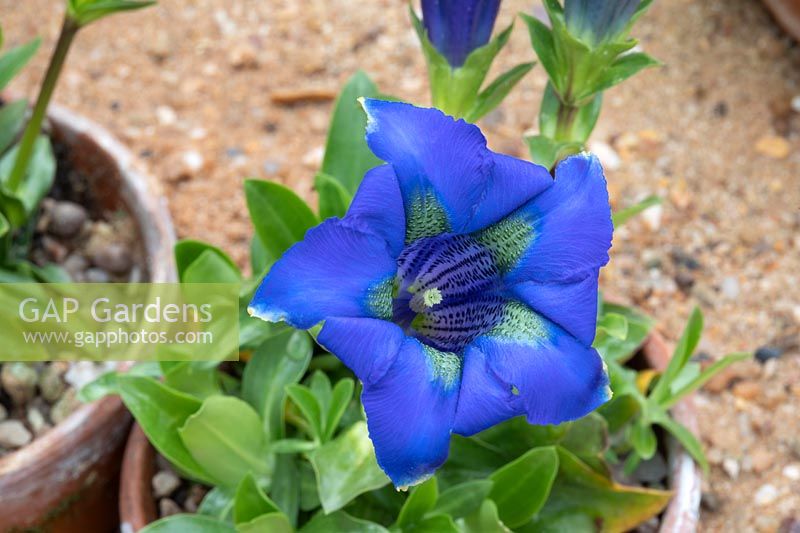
(166,115)
(14,434)
(766,494)
(164,483)
(607,155)
(791,472)
(193,160)
(731,467)
(796,103)
(730,287)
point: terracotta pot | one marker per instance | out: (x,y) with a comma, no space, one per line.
(787,13)
(137,504)
(66,481)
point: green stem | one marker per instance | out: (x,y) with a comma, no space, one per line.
(68,31)
(565,119)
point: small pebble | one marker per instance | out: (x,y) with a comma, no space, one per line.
(3,412)
(243,56)
(653,470)
(97,275)
(761,460)
(608,157)
(19,381)
(37,421)
(75,264)
(730,288)
(112,257)
(791,472)
(773,146)
(51,382)
(14,434)
(796,104)
(56,251)
(67,219)
(765,495)
(710,501)
(652,217)
(82,372)
(167,507)
(765,353)
(731,467)
(165,483)
(747,390)
(166,115)
(194,498)
(193,160)
(64,407)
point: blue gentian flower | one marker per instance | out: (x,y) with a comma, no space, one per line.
(461,287)
(597,21)
(457,27)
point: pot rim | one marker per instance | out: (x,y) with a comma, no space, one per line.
(147,205)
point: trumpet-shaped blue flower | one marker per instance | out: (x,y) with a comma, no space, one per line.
(461,287)
(457,27)
(598,20)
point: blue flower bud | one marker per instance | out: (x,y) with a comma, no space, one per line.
(598,21)
(457,27)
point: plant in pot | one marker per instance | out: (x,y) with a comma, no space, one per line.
(457,298)
(72,208)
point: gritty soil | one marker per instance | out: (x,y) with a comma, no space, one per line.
(208,93)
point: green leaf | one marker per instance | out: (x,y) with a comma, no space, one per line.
(303,398)
(267,523)
(643,439)
(218,503)
(181,523)
(484,520)
(685,437)
(703,377)
(683,351)
(333,197)
(226,427)
(259,259)
(420,501)
(340,521)
(435,524)
(463,499)
(346,467)
(293,446)
(620,350)
(623,68)
(250,501)
(580,491)
(199,379)
(199,262)
(88,11)
(320,386)
(285,489)
(497,91)
(12,117)
(623,215)
(15,59)
(613,324)
(340,399)
(347,156)
(160,411)
(547,152)
(281,218)
(279,361)
(587,437)
(542,42)
(20,204)
(522,486)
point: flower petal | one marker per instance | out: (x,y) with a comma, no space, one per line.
(378,206)
(513,183)
(410,412)
(368,346)
(558,378)
(562,234)
(571,305)
(442,164)
(336,270)
(485,399)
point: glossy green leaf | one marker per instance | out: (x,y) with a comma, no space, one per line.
(340,521)
(340,399)
(267,523)
(347,156)
(694,384)
(683,351)
(547,152)
(20,204)
(181,523)
(522,486)
(259,258)
(346,467)
(623,68)
(623,215)
(309,495)
(15,59)
(250,501)
(218,503)
(421,500)
(12,118)
(484,520)
(613,324)
(281,218)
(292,446)
(199,262)
(285,488)
(580,491)
(199,379)
(542,41)
(496,92)
(620,350)
(643,439)
(334,199)
(279,361)
(303,398)
(439,523)
(228,427)
(160,411)
(463,499)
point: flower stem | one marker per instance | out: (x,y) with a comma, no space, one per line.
(68,31)
(564,122)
